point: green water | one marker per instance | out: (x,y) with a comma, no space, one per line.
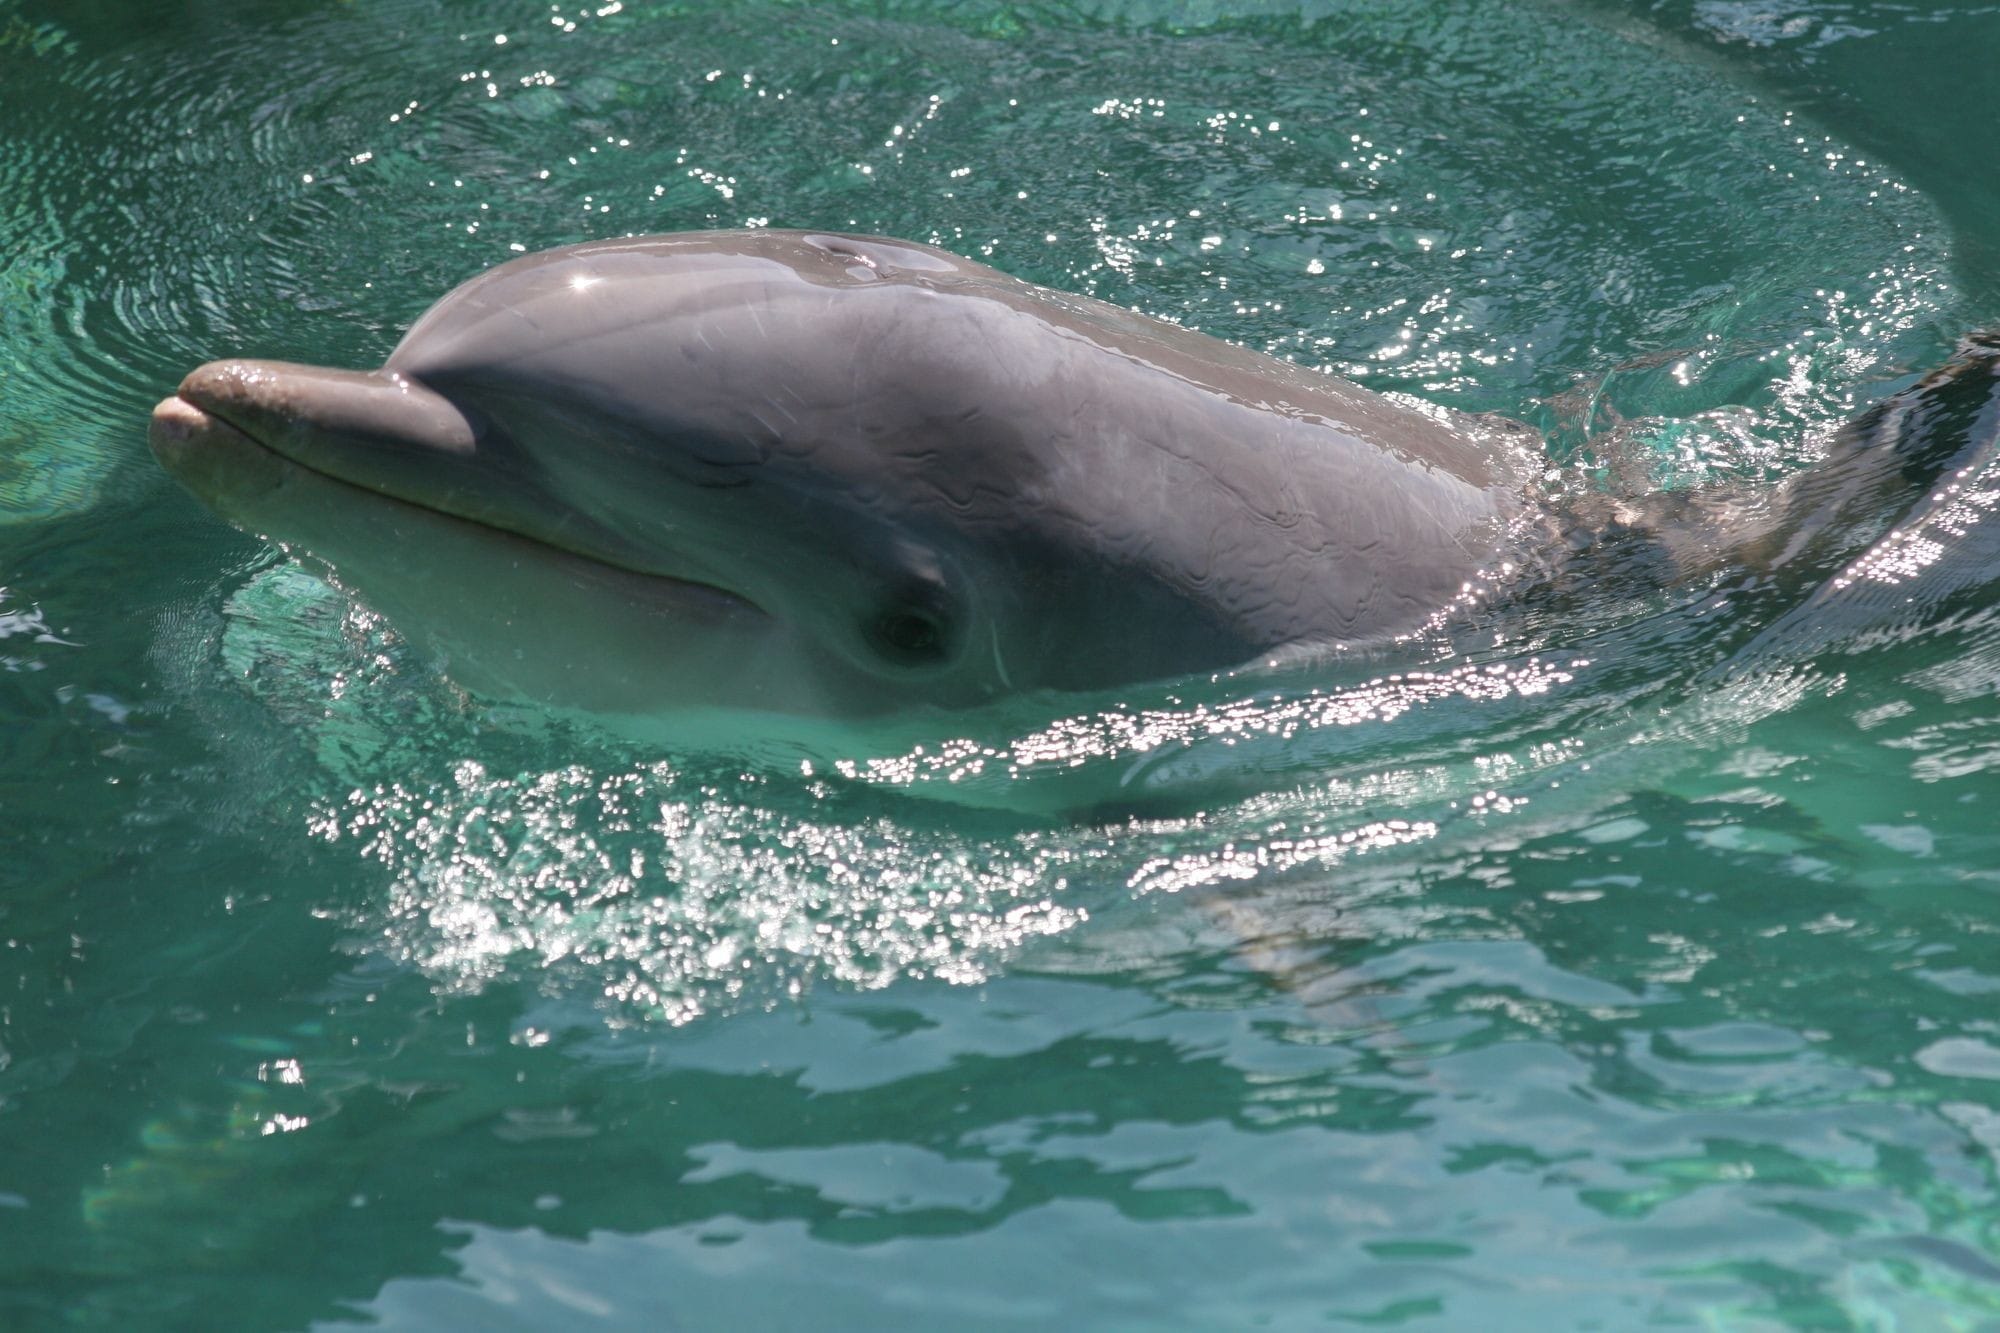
(329,995)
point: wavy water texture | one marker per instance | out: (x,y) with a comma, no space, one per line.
(1634,965)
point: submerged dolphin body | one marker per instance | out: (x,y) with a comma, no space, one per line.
(841,476)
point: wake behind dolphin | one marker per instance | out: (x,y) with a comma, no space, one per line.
(810,476)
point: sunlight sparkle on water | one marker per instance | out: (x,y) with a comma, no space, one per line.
(672,901)
(1143,738)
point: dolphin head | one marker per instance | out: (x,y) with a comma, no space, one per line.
(796,472)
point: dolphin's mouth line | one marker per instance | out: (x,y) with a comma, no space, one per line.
(700,586)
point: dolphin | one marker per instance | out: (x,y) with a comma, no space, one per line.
(818,476)
(841,475)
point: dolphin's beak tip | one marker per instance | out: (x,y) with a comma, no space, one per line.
(208,456)
(176,426)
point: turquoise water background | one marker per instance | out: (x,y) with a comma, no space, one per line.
(329,995)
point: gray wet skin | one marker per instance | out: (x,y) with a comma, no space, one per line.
(842,476)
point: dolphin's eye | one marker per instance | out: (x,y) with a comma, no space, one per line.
(916,627)
(909,636)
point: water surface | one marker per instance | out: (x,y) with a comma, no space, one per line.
(1598,991)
